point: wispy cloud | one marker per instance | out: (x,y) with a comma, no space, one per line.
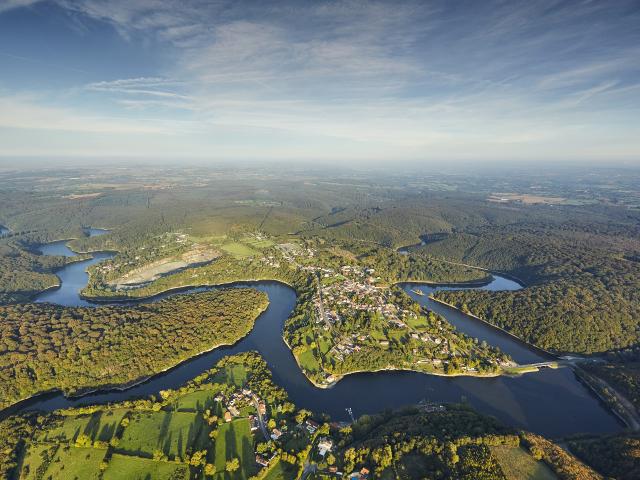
(145,86)
(412,76)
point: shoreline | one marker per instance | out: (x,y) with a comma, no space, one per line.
(121,387)
(126,386)
(500,329)
(342,376)
(177,290)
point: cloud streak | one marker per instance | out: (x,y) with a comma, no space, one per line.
(430,78)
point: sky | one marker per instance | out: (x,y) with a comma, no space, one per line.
(343,81)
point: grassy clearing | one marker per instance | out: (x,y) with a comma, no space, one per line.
(76,463)
(235,440)
(308,361)
(280,472)
(171,432)
(519,465)
(36,455)
(98,426)
(234,373)
(123,467)
(323,345)
(198,401)
(417,322)
(239,250)
(259,244)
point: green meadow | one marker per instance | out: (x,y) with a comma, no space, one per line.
(519,465)
(172,433)
(235,440)
(124,467)
(99,426)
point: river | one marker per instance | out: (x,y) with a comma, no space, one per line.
(550,402)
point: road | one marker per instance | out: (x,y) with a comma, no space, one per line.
(629,413)
(263,427)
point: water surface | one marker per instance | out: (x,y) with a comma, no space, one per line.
(551,402)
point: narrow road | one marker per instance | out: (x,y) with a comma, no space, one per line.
(629,412)
(263,427)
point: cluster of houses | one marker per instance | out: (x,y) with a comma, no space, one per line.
(236,401)
(354,290)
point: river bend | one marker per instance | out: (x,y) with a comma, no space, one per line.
(550,402)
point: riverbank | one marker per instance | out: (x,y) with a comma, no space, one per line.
(502,330)
(561,408)
(614,400)
(121,387)
(181,289)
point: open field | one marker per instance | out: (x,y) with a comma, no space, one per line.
(153,271)
(71,463)
(170,432)
(35,458)
(239,250)
(123,467)
(235,440)
(234,374)
(98,426)
(279,472)
(198,401)
(519,465)
(525,198)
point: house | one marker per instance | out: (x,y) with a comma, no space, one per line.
(324,445)
(312,426)
(227,416)
(262,407)
(275,434)
(253,423)
(260,460)
(234,411)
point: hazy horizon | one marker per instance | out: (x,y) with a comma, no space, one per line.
(333,82)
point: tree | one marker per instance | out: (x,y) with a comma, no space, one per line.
(83,441)
(302,415)
(209,469)
(198,458)
(232,465)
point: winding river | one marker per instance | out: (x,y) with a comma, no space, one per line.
(550,402)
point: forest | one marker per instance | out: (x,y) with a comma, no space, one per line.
(452,442)
(614,456)
(577,260)
(45,347)
(23,273)
(581,292)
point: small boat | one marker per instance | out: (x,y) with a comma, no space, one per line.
(418,292)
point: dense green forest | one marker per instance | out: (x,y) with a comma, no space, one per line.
(452,442)
(24,273)
(580,297)
(613,456)
(46,347)
(622,371)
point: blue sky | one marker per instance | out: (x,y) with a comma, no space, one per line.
(352,81)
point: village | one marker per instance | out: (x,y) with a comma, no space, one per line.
(236,406)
